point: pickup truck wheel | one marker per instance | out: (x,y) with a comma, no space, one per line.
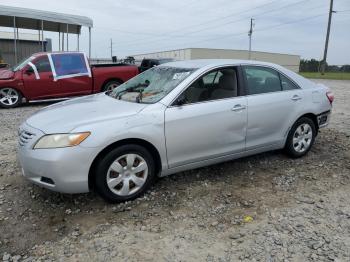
(10,97)
(125,173)
(301,137)
(109,86)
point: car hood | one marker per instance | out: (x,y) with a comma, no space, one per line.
(6,74)
(68,115)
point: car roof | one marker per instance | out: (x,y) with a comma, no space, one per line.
(56,52)
(157,59)
(200,63)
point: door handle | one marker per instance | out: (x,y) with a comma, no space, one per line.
(238,107)
(296,98)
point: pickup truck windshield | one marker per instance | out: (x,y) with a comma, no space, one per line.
(22,64)
(152,85)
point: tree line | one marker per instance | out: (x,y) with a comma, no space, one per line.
(313,65)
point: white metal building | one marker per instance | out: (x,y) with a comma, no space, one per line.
(289,61)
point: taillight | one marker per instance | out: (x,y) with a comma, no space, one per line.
(330,96)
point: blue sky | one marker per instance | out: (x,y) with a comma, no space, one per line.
(140,26)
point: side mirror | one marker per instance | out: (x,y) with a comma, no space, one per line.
(181,100)
(29,71)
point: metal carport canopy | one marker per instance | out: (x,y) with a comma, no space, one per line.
(18,17)
(32,19)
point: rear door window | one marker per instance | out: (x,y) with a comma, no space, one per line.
(262,80)
(67,65)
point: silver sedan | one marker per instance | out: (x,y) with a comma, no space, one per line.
(171,118)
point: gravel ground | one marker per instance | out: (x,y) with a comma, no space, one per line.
(262,208)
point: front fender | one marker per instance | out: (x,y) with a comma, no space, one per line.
(147,125)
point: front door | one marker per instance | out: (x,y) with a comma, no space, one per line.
(38,79)
(209,122)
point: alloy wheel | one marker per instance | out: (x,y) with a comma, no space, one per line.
(8,96)
(111,87)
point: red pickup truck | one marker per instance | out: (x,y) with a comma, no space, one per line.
(46,76)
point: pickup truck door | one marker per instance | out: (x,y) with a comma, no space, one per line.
(72,74)
(38,79)
(75,86)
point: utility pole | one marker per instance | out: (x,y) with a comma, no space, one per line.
(324,61)
(111,48)
(250,37)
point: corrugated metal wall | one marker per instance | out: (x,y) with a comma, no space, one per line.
(24,49)
(289,61)
(181,54)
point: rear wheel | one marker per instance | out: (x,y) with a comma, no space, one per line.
(125,173)
(10,97)
(109,86)
(301,137)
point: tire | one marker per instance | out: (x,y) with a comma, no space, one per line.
(117,179)
(10,97)
(301,137)
(109,86)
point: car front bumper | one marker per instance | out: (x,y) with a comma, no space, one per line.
(64,170)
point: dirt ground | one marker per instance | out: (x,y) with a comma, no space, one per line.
(262,208)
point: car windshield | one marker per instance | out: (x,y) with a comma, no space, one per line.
(152,85)
(22,64)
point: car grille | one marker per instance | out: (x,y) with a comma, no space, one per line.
(25,137)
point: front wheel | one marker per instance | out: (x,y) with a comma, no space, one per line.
(125,173)
(301,137)
(10,97)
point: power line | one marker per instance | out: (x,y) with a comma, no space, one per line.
(290,22)
(256,30)
(187,27)
(207,22)
(216,26)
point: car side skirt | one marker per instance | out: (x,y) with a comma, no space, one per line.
(225,158)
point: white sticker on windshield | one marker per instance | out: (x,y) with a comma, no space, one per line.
(181,75)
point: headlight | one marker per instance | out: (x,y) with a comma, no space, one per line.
(61,140)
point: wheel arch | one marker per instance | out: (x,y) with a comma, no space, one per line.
(109,80)
(136,141)
(313,117)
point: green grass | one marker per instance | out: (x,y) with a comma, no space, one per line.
(335,76)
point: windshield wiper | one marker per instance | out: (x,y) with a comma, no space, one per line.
(141,87)
(139,96)
(121,93)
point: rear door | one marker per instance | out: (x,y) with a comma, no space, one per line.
(211,121)
(38,79)
(274,103)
